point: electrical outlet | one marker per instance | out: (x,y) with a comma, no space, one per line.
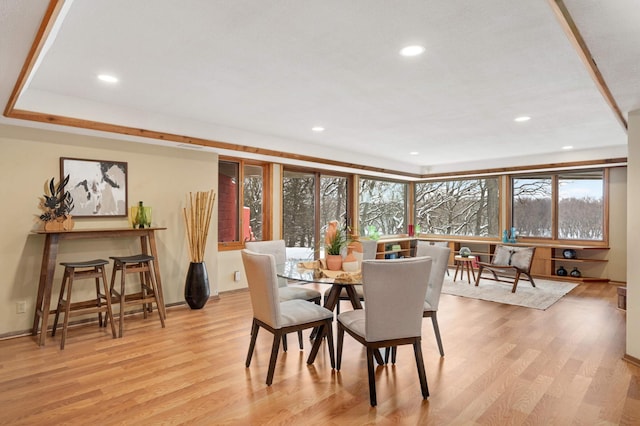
(236,276)
(21,307)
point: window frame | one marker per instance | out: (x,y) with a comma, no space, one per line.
(318,173)
(555,175)
(267,199)
(500,219)
(408,203)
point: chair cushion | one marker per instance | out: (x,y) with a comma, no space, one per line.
(294,312)
(354,321)
(520,257)
(302,293)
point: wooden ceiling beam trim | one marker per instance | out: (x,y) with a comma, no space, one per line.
(570,28)
(170,137)
(48,21)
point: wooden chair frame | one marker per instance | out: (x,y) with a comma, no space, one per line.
(507,271)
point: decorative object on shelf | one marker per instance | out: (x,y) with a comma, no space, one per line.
(101,185)
(140,216)
(561,272)
(334,242)
(505,236)
(569,254)
(514,236)
(197,217)
(575,273)
(410,230)
(57,206)
(465,251)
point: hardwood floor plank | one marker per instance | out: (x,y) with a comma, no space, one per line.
(503,365)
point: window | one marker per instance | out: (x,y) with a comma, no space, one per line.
(464,207)
(564,206)
(532,206)
(236,223)
(382,207)
(309,201)
(581,206)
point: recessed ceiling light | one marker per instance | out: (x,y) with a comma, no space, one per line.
(412,50)
(107,78)
(414,153)
(318,129)
(522,119)
(567,147)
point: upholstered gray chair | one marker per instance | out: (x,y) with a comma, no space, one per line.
(439,263)
(394,291)
(507,264)
(278,249)
(369,248)
(442,244)
(278,317)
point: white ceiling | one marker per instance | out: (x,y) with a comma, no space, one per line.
(261,74)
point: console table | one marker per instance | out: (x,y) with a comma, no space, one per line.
(50,253)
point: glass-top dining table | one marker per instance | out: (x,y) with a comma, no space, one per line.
(310,272)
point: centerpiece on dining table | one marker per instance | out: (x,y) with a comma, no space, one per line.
(334,242)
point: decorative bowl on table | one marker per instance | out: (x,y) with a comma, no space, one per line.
(465,251)
(569,254)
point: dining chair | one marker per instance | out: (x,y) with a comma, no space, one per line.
(281,317)
(439,265)
(394,291)
(278,249)
(369,248)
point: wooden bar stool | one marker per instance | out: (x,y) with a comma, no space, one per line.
(150,291)
(76,271)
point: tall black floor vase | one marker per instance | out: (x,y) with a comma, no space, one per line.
(196,288)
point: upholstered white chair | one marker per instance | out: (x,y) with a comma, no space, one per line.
(394,291)
(278,249)
(369,248)
(439,263)
(280,318)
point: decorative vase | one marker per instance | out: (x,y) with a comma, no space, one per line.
(505,236)
(569,254)
(465,251)
(196,287)
(140,216)
(575,273)
(334,262)
(350,262)
(561,272)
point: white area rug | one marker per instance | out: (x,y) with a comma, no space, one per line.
(545,294)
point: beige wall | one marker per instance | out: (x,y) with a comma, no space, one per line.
(616,268)
(633,229)
(160,176)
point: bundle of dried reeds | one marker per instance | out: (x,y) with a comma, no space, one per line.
(197,217)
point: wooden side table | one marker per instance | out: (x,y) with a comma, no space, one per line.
(463,263)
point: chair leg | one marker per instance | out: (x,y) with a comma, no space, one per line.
(339,341)
(515,282)
(436,331)
(300,340)
(394,353)
(67,310)
(417,350)
(387,351)
(254,335)
(98,301)
(107,296)
(478,276)
(274,355)
(65,278)
(284,342)
(154,288)
(329,335)
(372,378)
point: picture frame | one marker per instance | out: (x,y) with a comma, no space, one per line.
(98,187)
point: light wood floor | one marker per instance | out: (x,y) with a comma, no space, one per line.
(502,365)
